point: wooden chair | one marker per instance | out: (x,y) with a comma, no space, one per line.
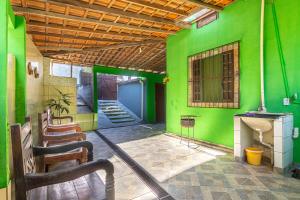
(24,167)
(49,138)
(61,127)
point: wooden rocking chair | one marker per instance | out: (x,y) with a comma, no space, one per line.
(59,136)
(25,174)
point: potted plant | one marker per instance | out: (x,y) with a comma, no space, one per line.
(60,104)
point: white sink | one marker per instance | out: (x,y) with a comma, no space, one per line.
(259,124)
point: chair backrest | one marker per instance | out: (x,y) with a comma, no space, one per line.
(49,116)
(43,121)
(23,159)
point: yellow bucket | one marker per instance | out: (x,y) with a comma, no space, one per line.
(254,155)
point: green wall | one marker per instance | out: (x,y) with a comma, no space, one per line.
(17,47)
(4,169)
(238,22)
(151,80)
(12,40)
(289,28)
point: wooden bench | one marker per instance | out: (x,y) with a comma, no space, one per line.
(49,137)
(25,175)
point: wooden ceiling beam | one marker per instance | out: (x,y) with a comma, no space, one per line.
(61,60)
(109,47)
(122,45)
(152,58)
(20,10)
(110,10)
(158,6)
(86,30)
(62,43)
(206,5)
(55,48)
(36,33)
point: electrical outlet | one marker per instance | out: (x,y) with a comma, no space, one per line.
(286,101)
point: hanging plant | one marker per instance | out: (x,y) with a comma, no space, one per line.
(166,80)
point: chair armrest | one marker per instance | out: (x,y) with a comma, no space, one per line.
(65,136)
(63,117)
(39,151)
(43,179)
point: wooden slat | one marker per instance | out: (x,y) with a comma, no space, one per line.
(113,46)
(86,30)
(26,129)
(108,32)
(128,44)
(60,48)
(206,5)
(74,37)
(53,43)
(23,11)
(158,6)
(103,9)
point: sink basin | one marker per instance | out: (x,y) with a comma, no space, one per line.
(258,124)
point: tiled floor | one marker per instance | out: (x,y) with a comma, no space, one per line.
(186,173)
(91,187)
(200,173)
(127,184)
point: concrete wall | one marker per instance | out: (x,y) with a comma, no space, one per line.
(129,94)
(66,85)
(34,87)
(87,121)
(85,90)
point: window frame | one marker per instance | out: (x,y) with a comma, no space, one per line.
(235,47)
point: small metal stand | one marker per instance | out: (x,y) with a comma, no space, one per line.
(188,121)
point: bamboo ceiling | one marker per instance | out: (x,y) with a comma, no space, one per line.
(121,33)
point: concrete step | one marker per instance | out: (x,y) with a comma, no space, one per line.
(122,120)
(119,116)
(106,107)
(116,113)
(107,100)
(112,110)
(108,104)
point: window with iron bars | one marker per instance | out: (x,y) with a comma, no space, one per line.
(214,77)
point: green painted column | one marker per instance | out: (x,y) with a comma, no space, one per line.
(4,160)
(17,47)
(150,101)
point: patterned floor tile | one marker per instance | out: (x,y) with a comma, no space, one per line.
(147,196)
(201,172)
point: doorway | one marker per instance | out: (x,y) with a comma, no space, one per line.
(160,101)
(120,100)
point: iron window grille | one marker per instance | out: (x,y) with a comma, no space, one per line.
(214,78)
